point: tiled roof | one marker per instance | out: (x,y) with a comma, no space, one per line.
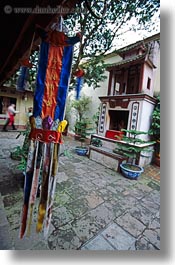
(138,43)
(122,62)
(131,47)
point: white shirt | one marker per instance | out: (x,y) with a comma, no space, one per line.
(11,110)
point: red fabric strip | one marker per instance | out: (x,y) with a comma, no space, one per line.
(52,81)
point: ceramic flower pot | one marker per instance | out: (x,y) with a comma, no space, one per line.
(82,151)
(131,171)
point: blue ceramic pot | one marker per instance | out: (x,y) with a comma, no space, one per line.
(82,151)
(131,173)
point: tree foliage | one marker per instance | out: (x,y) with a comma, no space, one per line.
(131,145)
(81,106)
(98,35)
(31,80)
(94,70)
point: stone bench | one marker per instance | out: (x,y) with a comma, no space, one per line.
(106,156)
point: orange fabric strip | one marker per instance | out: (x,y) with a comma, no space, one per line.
(52,81)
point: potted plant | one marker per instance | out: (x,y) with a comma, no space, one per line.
(96,142)
(155,131)
(81,107)
(131,146)
(83,129)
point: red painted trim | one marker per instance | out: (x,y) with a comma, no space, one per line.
(46,136)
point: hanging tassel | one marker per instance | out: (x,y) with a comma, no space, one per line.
(23,78)
(79,81)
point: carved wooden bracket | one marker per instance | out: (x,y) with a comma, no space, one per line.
(123,103)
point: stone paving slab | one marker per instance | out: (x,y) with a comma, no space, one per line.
(131,224)
(95,208)
(98,243)
(119,238)
(5,236)
(112,238)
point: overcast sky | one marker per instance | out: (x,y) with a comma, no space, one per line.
(129,37)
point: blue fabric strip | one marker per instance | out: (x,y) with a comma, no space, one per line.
(79,84)
(73,40)
(28,185)
(40,82)
(64,82)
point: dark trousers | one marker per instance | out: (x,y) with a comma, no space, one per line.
(7,123)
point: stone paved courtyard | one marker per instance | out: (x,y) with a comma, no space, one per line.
(95,208)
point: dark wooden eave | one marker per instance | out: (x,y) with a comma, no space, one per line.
(127,62)
(17,31)
(128,97)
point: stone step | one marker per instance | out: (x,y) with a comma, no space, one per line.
(5,238)
(106,156)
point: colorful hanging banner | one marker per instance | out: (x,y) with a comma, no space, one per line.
(53,76)
(47,125)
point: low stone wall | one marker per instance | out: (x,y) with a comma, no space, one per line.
(105,157)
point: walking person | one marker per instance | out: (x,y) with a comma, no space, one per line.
(11,112)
